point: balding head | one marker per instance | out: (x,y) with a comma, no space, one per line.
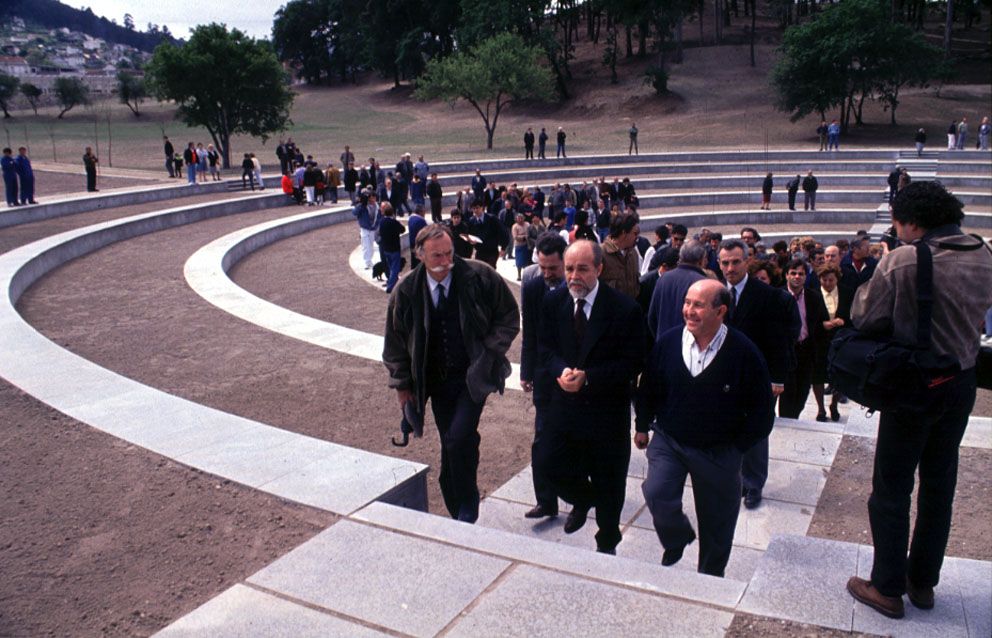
(706,304)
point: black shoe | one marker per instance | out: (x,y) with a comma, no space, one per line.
(576,519)
(920,597)
(674,555)
(822,417)
(540,511)
(752,498)
(612,551)
(834,413)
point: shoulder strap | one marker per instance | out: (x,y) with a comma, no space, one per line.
(924,293)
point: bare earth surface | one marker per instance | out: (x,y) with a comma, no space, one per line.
(750,626)
(98,537)
(55,183)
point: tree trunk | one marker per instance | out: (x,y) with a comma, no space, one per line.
(642,40)
(947,29)
(630,43)
(678,41)
(717,21)
(702,13)
(753,19)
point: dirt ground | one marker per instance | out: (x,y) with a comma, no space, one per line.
(59,183)
(750,626)
(98,537)
(842,513)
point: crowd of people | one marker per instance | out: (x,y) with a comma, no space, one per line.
(704,342)
(199,162)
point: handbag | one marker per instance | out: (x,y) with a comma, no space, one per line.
(881,373)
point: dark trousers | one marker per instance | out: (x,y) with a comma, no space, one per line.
(91,179)
(169,166)
(561,151)
(540,152)
(792,200)
(907,441)
(591,471)
(27,189)
(488,256)
(436,210)
(393,263)
(10,186)
(633,146)
(810,200)
(716,491)
(755,467)
(544,491)
(797,383)
(457,418)
(528,152)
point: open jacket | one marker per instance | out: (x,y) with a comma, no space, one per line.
(489,319)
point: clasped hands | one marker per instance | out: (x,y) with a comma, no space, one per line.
(572,379)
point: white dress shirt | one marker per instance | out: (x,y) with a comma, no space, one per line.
(697,360)
(590,300)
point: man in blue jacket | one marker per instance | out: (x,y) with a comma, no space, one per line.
(9,177)
(367,214)
(26,174)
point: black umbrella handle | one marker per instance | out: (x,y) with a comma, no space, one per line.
(404,442)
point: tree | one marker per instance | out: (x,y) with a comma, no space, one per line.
(130,90)
(70,93)
(224,81)
(849,52)
(490,76)
(8,89)
(32,93)
(129,22)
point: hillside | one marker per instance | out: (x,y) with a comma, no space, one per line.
(52,14)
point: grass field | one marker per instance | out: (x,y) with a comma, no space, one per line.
(717,101)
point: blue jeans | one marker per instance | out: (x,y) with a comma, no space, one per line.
(393,261)
(191,173)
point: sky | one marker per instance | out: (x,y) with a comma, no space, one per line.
(251,16)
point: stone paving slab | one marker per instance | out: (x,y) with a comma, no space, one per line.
(535,602)
(945,620)
(795,482)
(649,577)
(520,489)
(803,446)
(975,580)
(402,583)
(245,611)
(803,579)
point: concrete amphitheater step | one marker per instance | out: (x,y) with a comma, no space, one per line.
(803,579)
(397,570)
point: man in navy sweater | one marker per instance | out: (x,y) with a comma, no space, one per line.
(707,387)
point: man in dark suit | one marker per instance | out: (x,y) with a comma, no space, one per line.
(858,266)
(706,386)
(812,314)
(666,303)
(591,342)
(448,327)
(529,144)
(551,263)
(837,302)
(487,228)
(770,319)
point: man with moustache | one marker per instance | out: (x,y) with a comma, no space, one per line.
(591,341)
(551,264)
(448,327)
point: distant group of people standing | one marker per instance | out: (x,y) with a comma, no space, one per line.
(542,142)
(957,135)
(199,162)
(18,177)
(810,184)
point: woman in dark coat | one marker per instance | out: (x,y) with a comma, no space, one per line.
(766,192)
(838,300)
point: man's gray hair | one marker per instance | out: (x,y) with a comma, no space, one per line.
(692,252)
(434,231)
(730,244)
(597,250)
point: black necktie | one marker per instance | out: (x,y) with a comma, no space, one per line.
(580,320)
(733,302)
(441,299)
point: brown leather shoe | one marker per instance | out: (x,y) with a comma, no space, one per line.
(864,592)
(921,597)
